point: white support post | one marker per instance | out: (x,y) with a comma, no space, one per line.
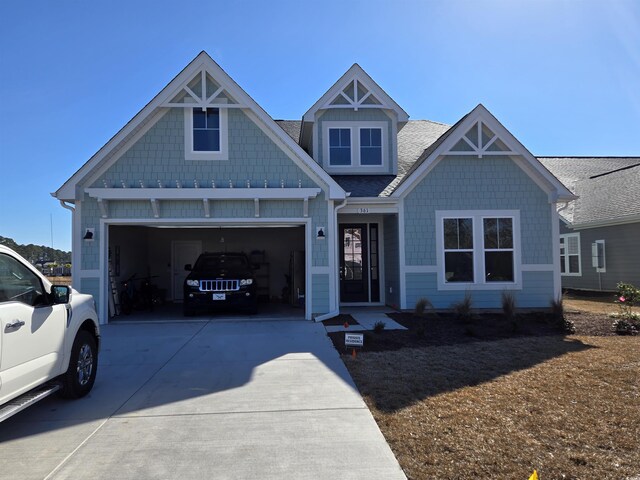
(104,207)
(256,202)
(207,208)
(305,212)
(155,207)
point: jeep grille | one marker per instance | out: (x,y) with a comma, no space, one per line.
(219,285)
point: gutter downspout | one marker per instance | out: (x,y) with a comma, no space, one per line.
(336,312)
(68,207)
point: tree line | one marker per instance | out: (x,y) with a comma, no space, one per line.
(37,253)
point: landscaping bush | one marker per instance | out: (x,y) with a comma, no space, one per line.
(508,305)
(557,313)
(627,322)
(463,308)
(379,327)
(421,307)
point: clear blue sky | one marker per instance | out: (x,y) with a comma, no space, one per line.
(562,76)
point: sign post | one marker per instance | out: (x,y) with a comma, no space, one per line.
(353,340)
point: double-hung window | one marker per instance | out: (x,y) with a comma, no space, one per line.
(205,133)
(352,147)
(340,146)
(371,146)
(458,249)
(570,254)
(478,249)
(498,249)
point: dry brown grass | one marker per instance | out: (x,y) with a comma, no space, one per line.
(604,304)
(568,407)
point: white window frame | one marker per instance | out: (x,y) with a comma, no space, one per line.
(355,166)
(479,282)
(190,153)
(564,257)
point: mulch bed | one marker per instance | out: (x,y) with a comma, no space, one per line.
(447,329)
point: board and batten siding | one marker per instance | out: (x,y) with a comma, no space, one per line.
(622,257)
(470,183)
(391,261)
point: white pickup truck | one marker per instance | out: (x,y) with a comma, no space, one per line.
(49,337)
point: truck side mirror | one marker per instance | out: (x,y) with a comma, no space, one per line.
(60,294)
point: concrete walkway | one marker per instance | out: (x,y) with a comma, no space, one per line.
(207,399)
(367,317)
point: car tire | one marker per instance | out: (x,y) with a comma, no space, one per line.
(83,366)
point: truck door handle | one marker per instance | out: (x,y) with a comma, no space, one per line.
(16,324)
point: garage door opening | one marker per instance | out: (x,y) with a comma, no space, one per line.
(147,267)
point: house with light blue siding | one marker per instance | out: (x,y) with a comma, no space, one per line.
(354,204)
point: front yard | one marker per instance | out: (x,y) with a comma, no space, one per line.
(502,399)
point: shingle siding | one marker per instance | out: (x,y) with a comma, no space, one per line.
(349,115)
(465,183)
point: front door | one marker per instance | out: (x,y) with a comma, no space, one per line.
(354,263)
(183,253)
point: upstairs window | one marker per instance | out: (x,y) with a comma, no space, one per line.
(371,146)
(339,146)
(206,130)
(356,147)
(205,133)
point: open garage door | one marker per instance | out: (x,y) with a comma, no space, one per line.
(147,264)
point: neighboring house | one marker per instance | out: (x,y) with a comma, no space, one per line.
(600,231)
(381,210)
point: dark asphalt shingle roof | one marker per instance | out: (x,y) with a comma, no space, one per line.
(292,127)
(608,187)
(413,139)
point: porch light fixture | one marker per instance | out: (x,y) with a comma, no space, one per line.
(320,233)
(88,234)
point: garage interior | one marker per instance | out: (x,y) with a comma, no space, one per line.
(156,256)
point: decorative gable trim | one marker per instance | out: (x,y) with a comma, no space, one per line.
(452,143)
(355,90)
(227,89)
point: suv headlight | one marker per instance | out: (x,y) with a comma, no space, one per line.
(248,281)
(193,283)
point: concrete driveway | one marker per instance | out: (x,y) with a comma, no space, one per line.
(209,399)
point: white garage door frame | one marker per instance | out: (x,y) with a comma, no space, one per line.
(103,312)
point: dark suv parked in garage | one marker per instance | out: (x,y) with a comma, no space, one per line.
(220,280)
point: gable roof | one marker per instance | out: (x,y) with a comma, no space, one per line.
(109,153)
(536,171)
(608,188)
(356,73)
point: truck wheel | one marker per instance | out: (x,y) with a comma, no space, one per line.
(83,365)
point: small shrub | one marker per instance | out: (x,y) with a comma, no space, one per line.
(421,307)
(557,314)
(463,308)
(627,325)
(628,294)
(509,305)
(379,327)
(420,332)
